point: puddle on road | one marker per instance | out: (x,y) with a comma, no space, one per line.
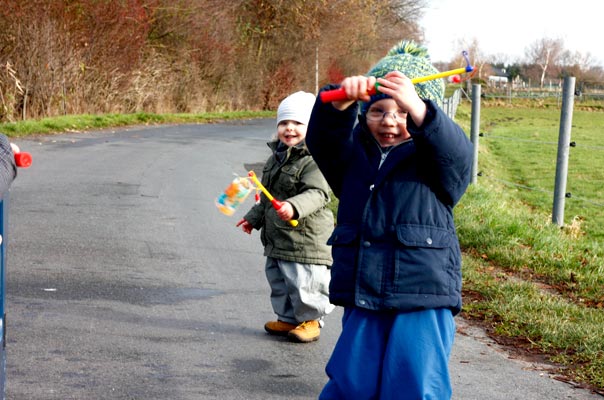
(98,290)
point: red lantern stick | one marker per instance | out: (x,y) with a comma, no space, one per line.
(22,159)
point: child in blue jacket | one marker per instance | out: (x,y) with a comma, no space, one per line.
(396,269)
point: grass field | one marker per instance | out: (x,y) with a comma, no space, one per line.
(520,146)
(526,280)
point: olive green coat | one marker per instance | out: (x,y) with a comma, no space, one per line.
(298,181)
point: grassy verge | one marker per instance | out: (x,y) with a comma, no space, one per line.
(528,281)
(76,123)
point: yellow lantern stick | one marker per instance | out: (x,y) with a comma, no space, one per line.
(276,203)
(444,74)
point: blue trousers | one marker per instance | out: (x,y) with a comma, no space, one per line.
(391,356)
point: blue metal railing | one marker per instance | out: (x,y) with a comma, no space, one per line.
(3,231)
(7,167)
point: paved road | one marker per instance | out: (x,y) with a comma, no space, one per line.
(125,282)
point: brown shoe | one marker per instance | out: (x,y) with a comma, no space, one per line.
(279,328)
(307,331)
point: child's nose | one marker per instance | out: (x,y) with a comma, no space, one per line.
(391,115)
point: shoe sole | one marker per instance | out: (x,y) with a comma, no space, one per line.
(297,339)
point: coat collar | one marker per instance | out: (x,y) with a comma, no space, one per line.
(395,154)
(298,149)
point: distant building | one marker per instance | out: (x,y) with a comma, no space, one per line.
(498,78)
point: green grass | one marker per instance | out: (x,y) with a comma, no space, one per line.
(530,281)
(527,280)
(520,147)
(76,123)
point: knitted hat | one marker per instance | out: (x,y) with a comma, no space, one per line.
(296,107)
(412,60)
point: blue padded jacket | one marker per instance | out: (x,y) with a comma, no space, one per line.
(394,246)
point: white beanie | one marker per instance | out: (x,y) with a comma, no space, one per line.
(296,107)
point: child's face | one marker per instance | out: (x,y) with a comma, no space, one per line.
(387,122)
(290,133)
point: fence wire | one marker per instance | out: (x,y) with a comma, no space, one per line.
(572,145)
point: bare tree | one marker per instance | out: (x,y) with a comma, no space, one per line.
(582,66)
(284,40)
(545,53)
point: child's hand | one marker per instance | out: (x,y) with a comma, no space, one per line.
(398,86)
(286,211)
(245,226)
(356,88)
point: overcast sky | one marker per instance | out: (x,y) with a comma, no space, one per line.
(508,27)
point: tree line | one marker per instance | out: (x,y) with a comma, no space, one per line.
(60,57)
(544,58)
(120,56)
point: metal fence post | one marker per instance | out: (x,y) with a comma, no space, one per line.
(475,129)
(566,119)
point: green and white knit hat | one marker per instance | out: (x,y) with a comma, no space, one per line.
(412,60)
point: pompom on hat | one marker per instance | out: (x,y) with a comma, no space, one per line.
(296,107)
(412,60)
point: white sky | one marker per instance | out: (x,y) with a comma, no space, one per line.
(508,27)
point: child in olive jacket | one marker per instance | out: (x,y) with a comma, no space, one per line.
(398,173)
(297,258)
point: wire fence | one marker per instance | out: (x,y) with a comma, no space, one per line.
(552,89)
(569,195)
(535,168)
